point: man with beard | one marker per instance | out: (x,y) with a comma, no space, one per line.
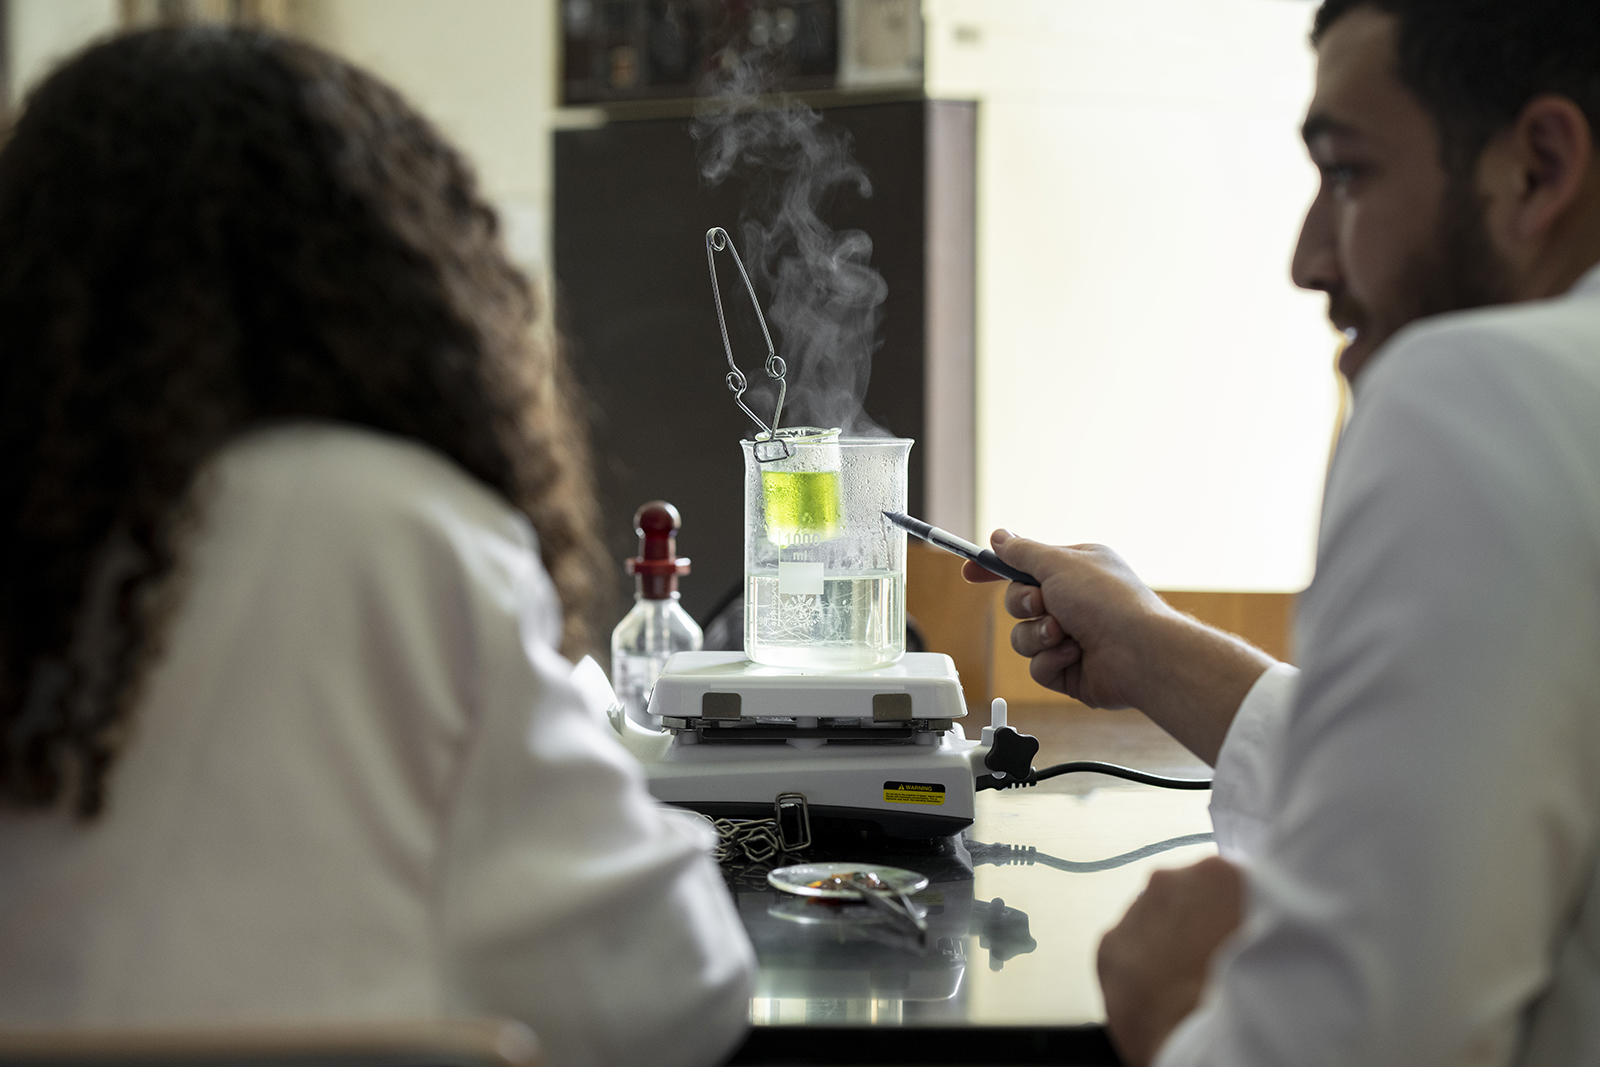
(1417,810)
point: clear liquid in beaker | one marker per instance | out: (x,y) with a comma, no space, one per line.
(855,622)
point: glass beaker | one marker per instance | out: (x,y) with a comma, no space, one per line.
(825,572)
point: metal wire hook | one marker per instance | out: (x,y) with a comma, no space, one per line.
(717,240)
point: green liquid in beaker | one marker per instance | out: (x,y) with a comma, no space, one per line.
(802,506)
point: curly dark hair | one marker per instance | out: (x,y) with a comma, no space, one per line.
(202,230)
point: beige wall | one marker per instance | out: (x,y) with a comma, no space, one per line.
(484,70)
(41,33)
(1148,376)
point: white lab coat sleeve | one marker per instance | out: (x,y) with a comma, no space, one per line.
(572,900)
(1247,765)
(1434,819)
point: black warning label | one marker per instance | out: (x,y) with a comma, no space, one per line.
(913,793)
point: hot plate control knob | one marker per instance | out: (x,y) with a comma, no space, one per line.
(1011,753)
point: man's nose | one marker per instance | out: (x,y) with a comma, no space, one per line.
(1316,262)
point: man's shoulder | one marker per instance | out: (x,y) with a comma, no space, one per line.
(1517,374)
(1507,392)
(1542,345)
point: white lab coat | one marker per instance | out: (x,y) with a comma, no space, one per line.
(1423,803)
(361,784)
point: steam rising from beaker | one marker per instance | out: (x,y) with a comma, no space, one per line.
(825,298)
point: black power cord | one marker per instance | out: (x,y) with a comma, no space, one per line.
(1034,777)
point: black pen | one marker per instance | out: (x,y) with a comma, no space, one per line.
(938,538)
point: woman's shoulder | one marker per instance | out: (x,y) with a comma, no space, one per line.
(353,477)
(339,510)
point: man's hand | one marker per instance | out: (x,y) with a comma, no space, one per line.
(1091,594)
(1153,963)
(1097,633)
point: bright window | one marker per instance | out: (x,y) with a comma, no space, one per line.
(1148,377)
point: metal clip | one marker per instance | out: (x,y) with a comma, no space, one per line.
(717,240)
(792,816)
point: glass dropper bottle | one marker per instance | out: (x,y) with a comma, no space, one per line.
(657,626)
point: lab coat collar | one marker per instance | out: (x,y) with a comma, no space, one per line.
(1589,283)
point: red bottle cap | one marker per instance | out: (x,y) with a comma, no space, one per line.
(658,565)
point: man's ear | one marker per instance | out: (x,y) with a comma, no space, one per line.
(1543,164)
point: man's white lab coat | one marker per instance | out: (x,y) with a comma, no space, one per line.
(1423,803)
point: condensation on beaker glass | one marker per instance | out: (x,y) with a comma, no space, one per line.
(824,570)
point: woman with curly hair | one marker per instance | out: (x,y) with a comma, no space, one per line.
(292,509)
